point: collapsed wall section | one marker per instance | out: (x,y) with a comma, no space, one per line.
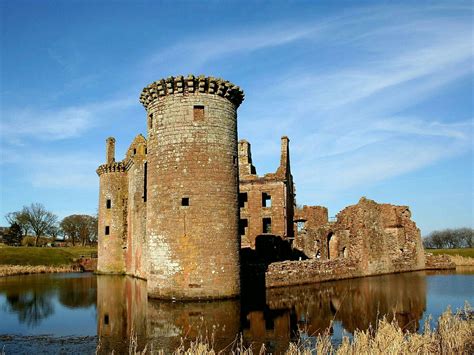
(366,239)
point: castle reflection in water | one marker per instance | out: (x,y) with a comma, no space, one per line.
(272,317)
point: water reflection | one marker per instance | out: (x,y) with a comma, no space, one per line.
(65,305)
(33,297)
(123,310)
(286,314)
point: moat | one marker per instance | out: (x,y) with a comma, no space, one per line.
(74,312)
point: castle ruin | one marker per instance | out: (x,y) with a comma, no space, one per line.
(184,202)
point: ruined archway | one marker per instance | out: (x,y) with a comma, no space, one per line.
(332,246)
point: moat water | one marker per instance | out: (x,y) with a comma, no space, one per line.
(76,313)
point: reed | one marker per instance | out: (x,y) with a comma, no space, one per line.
(10,270)
(462,260)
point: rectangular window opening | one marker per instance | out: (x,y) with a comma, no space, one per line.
(108,204)
(185,201)
(107,230)
(243,199)
(300,225)
(243,224)
(266,200)
(267,225)
(106,319)
(150,121)
(198,113)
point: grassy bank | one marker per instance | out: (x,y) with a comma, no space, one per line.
(454,334)
(10,270)
(52,257)
(465,252)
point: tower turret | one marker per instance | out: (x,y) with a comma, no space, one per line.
(112,221)
(110,150)
(192,185)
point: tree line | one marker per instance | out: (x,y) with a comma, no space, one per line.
(450,238)
(77,229)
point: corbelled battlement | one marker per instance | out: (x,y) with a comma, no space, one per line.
(115,167)
(190,85)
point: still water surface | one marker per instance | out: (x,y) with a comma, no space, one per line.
(53,313)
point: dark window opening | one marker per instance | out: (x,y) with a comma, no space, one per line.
(106,319)
(243,199)
(267,225)
(266,200)
(108,204)
(145,173)
(134,151)
(243,224)
(185,201)
(150,121)
(146,150)
(198,113)
(107,230)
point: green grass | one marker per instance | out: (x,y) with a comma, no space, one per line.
(466,252)
(42,256)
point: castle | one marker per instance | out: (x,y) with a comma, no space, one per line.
(178,209)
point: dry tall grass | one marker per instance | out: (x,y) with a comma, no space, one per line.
(10,270)
(462,260)
(453,335)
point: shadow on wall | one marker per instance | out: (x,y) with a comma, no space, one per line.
(254,264)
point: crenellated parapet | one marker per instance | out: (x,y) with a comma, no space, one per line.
(115,167)
(190,85)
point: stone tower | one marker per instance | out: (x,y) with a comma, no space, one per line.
(192,187)
(112,213)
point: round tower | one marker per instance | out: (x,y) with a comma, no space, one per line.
(192,185)
(112,213)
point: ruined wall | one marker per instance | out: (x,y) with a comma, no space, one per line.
(112,223)
(270,197)
(136,256)
(254,213)
(389,240)
(367,239)
(302,272)
(192,205)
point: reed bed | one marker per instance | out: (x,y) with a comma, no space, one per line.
(462,260)
(10,270)
(454,334)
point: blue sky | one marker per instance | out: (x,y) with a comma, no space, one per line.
(376,97)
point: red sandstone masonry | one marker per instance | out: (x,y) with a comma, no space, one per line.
(288,273)
(192,207)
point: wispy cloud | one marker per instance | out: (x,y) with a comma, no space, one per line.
(352,125)
(58,123)
(48,169)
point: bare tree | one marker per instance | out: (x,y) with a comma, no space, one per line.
(450,238)
(20,218)
(80,228)
(40,220)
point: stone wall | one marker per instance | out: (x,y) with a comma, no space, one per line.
(266,202)
(192,185)
(438,262)
(136,253)
(302,272)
